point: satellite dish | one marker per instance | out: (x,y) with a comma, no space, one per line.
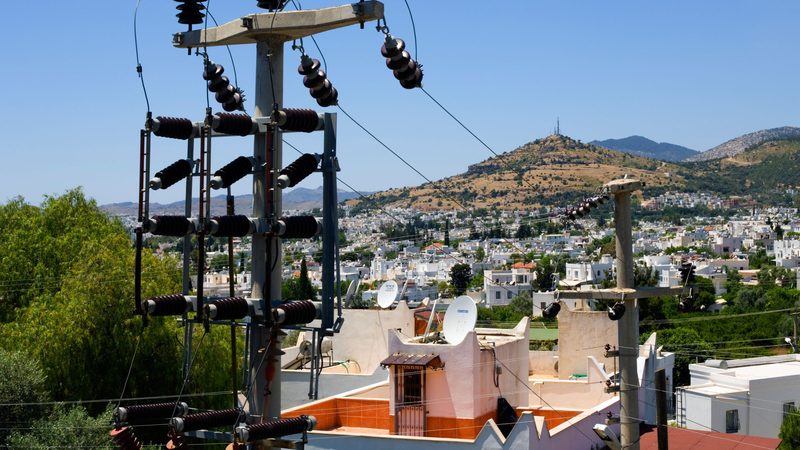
(351,290)
(387,294)
(459,319)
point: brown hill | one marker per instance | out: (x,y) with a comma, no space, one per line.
(545,172)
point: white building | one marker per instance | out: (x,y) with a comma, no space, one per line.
(744,396)
(787,253)
(501,286)
(588,272)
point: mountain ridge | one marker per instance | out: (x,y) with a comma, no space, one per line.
(643,146)
(747,141)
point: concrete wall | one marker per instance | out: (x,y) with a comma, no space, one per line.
(294,384)
(572,394)
(582,334)
(543,362)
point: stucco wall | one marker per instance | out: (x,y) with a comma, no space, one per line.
(582,334)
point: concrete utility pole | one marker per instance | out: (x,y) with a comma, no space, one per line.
(269,32)
(628,334)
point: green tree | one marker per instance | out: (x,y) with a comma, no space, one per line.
(460,275)
(22,381)
(790,431)
(480,254)
(522,304)
(219,262)
(65,428)
(688,347)
(476,282)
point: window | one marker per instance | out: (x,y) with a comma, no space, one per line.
(788,407)
(732,421)
(497,295)
(542,305)
(509,294)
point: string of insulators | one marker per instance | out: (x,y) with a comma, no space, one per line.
(230,97)
(276,428)
(144,413)
(686,304)
(407,70)
(204,420)
(125,439)
(293,119)
(232,172)
(168,305)
(317,82)
(296,312)
(272,5)
(297,227)
(170,226)
(171,174)
(189,12)
(173,127)
(233,124)
(231,308)
(297,171)
(585,207)
(231,226)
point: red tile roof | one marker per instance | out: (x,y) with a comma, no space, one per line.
(699,440)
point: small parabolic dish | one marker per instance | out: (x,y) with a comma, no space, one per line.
(387,294)
(459,319)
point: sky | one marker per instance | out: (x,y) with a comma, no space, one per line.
(685,72)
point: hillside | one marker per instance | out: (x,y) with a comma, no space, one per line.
(747,141)
(640,145)
(545,172)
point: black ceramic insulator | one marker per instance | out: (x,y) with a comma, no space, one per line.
(125,439)
(616,312)
(234,124)
(551,311)
(317,81)
(189,12)
(407,70)
(299,227)
(174,172)
(395,47)
(205,420)
(277,428)
(231,226)
(174,127)
(171,226)
(297,312)
(301,168)
(167,305)
(234,171)
(230,308)
(144,413)
(272,5)
(305,120)
(227,95)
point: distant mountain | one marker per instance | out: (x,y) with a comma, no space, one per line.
(640,145)
(745,142)
(303,199)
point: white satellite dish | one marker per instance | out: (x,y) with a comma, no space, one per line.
(387,294)
(459,319)
(351,291)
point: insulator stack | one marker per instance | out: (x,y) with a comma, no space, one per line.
(144,413)
(173,127)
(231,308)
(296,312)
(585,207)
(231,226)
(686,304)
(205,420)
(229,96)
(298,227)
(404,68)
(317,82)
(291,119)
(125,439)
(171,174)
(276,428)
(232,172)
(234,124)
(297,171)
(170,226)
(189,12)
(167,305)
(272,5)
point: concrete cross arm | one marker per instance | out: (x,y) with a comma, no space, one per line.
(617,293)
(283,25)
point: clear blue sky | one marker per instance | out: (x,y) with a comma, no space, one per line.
(694,73)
